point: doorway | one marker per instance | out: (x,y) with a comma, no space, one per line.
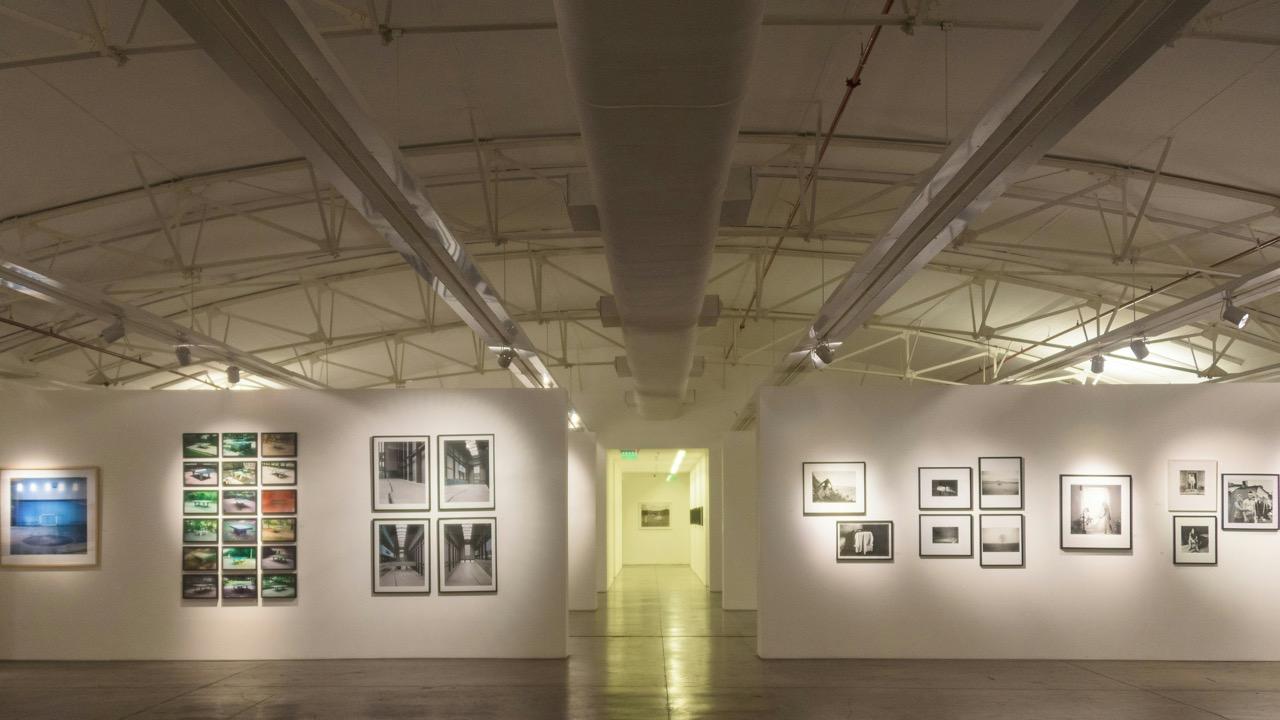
(657,502)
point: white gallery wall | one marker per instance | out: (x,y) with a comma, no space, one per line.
(740,521)
(648,546)
(583,482)
(1063,604)
(699,495)
(130,606)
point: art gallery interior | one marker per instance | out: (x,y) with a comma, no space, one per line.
(593,359)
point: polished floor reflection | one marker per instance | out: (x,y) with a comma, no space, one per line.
(658,647)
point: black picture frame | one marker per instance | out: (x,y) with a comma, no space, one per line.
(1062,484)
(1176,544)
(805,489)
(377,507)
(441,572)
(290,437)
(1022,482)
(375,557)
(1022,540)
(453,506)
(189,581)
(1224,491)
(920,471)
(878,558)
(920,531)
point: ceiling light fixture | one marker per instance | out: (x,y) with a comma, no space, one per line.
(1235,315)
(824,353)
(675,465)
(184,355)
(1139,348)
(1096,364)
(233,374)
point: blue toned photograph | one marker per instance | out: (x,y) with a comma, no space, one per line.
(48,516)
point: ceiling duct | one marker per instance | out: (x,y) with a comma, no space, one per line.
(659,88)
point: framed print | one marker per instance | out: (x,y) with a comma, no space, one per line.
(863,541)
(200,531)
(1001,540)
(279,445)
(1195,539)
(240,532)
(279,557)
(200,445)
(834,488)
(200,474)
(279,502)
(1000,483)
(401,556)
(1096,512)
(239,445)
(1193,486)
(240,558)
(655,516)
(466,472)
(279,530)
(200,587)
(279,586)
(399,473)
(946,536)
(49,518)
(239,502)
(199,558)
(239,473)
(945,488)
(468,557)
(279,472)
(199,502)
(1248,501)
(239,587)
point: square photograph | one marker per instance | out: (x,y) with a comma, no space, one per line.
(199,558)
(49,518)
(240,532)
(467,555)
(279,472)
(655,516)
(1001,541)
(239,587)
(239,473)
(200,587)
(240,558)
(199,502)
(200,474)
(279,530)
(280,445)
(200,531)
(1000,483)
(279,557)
(239,502)
(1248,501)
(466,472)
(862,541)
(1195,539)
(1193,486)
(401,554)
(834,488)
(279,502)
(279,586)
(240,445)
(399,473)
(945,488)
(944,536)
(1096,512)
(200,445)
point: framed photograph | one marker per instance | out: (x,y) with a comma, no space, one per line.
(279,557)
(655,516)
(240,445)
(279,502)
(1096,512)
(239,587)
(1248,501)
(200,531)
(944,536)
(200,587)
(239,473)
(279,530)
(1000,483)
(466,472)
(468,559)
(199,502)
(695,516)
(279,445)
(279,472)
(1193,486)
(199,558)
(400,473)
(864,541)
(49,518)
(200,445)
(1001,540)
(1195,539)
(401,556)
(945,488)
(834,488)
(200,474)
(239,502)
(240,558)
(240,532)
(279,586)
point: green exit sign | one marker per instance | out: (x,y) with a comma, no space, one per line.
(630,454)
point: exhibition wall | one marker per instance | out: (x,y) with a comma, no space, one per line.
(129,607)
(655,545)
(698,498)
(740,522)
(1121,604)
(583,483)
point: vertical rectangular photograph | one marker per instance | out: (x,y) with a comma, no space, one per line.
(279,586)
(49,518)
(1193,486)
(200,587)
(467,552)
(944,536)
(1000,483)
(1248,501)
(1195,539)
(655,516)
(279,472)
(1096,512)
(279,445)
(945,488)
(200,445)
(401,556)
(834,488)
(200,474)
(399,473)
(466,473)
(240,445)
(1001,540)
(863,541)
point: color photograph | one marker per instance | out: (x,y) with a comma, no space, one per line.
(239,587)
(239,473)
(279,557)
(199,445)
(466,472)
(279,502)
(200,502)
(240,532)
(864,541)
(200,474)
(834,488)
(279,530)
(239,502)
(279,445)
(400,556)
(467,555)
(200,587)
(200,559)
(239,445)
(279,586)
(399,473)
(49,518)
(199,531)
(240,558)
(279,472)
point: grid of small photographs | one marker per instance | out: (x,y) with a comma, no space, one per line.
(239,516)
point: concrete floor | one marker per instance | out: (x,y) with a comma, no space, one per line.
(659,647)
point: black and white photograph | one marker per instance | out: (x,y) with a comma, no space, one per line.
(834,488)
(943,536)
(1195,539)
(401,556)
(400,473)
(1248,501)
(200,474)
(1096,512)
(1193,486)
(466,474)
(945,488)
(279,472)
(655,515)
(279,445)
(200,587)
(1000,540)
(1000,481)
(279,557)
(200,445)
(868,540)
(468,560)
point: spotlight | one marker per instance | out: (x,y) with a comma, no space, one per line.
(505,356)
(184,355)
(112,332)
(1235,315)
(1139,348)
(1096,364)
(233,374)
(825,353)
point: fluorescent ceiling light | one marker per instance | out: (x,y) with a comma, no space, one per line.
(675,465)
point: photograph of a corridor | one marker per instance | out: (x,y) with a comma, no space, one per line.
(466,555)
(400,557)
(400,473)
(466,472)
